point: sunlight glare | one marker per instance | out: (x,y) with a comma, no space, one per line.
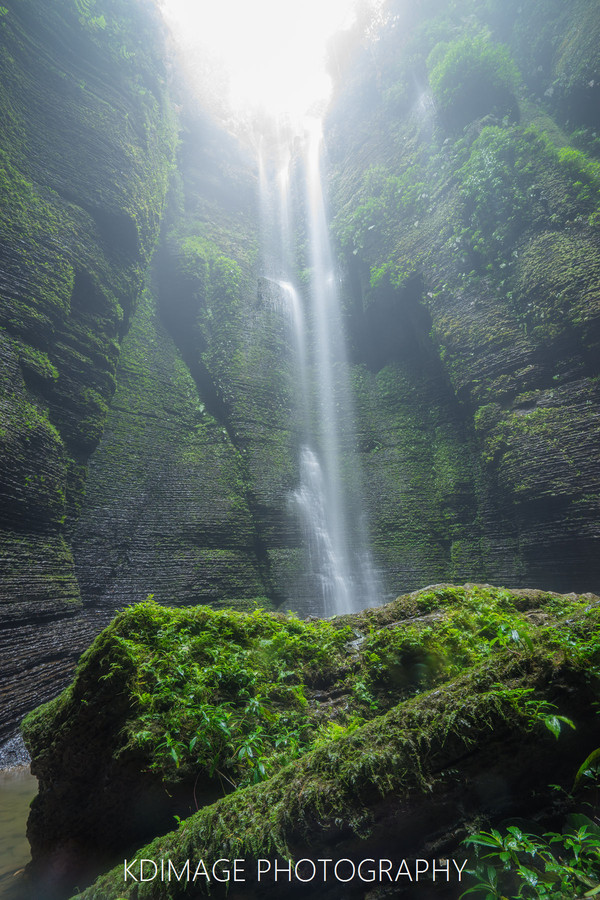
(271,53)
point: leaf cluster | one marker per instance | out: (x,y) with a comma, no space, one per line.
(522,865)
(219,693)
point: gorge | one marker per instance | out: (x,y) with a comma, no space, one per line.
(309,379)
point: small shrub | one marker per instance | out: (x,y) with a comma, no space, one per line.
(472,77)
(499,183)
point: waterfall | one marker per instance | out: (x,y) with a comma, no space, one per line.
(295,314)
(327,498)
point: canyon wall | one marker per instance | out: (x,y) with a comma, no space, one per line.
(87,145)
(149,432)
(465,191)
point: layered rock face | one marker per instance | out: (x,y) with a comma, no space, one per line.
(188,491)
(86,148)
(146,411)
(146,406)
(465,182)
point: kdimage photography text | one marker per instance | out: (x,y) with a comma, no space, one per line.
(304,870)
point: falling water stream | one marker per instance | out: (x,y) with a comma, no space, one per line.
(326,499)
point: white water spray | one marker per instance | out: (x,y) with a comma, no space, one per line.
(352,581)
(295,314)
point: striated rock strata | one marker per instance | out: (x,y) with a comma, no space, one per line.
(465,191)
(85,152)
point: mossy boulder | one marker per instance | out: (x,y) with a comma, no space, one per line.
(371,712)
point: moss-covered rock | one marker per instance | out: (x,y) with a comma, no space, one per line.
(557,287)
(171,708)
(400,787)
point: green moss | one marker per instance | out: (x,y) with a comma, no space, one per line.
(332,793)
(82,192)
(536,450)
(31,229)
(35,364)
(577,59)
(34,461)
(419,467)
(556,287)
(487,416)
(209,691)
(209,284)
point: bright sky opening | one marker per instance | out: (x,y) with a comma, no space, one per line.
(266,54)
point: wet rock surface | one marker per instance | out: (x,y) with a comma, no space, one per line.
(477,406)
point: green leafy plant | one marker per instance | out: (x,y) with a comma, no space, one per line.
(522,865)
(508,636)
(498,184)
(590,768)
(558,866)
(212,695)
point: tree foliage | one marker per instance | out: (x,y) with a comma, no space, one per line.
(472,77)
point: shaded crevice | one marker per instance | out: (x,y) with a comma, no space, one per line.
(387,323)
(177,305)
